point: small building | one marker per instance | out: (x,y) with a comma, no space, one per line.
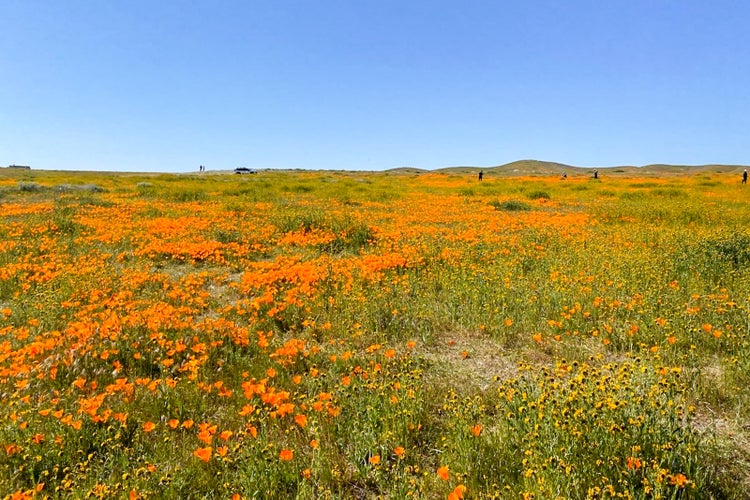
(24,167)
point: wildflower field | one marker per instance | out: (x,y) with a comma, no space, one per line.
(374,335)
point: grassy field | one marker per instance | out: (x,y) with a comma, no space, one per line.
(374,335)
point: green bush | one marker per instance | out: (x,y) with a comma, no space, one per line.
(511,205)
(538,195)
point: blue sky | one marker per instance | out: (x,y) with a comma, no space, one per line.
(372,84)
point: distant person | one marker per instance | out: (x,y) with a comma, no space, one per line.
(564,175)
(481,175)
(744,177)
(596,174)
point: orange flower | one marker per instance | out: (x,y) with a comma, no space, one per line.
(300,420)
(205,437)
(246,410)
(374,460)
(173,423)
(286,455)
(476,429)
(457,493)
(399,451)
(634,463)
(12,449)
(374,347)
(678,480)
(204,453)
(148,426)
(443,472)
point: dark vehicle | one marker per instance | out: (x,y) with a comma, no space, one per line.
(243,170)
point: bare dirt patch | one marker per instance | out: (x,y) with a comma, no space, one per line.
(469,362)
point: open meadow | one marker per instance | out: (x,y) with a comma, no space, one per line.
(374,335)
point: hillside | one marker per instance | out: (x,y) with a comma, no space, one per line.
(543,168)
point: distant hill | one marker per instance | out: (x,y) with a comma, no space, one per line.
(541,168)
(407,170)
(531,167)
(694,169)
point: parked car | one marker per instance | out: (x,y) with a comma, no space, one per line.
(243,170)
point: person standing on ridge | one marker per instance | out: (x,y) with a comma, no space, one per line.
(744,177)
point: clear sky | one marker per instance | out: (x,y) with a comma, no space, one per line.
(165,85)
